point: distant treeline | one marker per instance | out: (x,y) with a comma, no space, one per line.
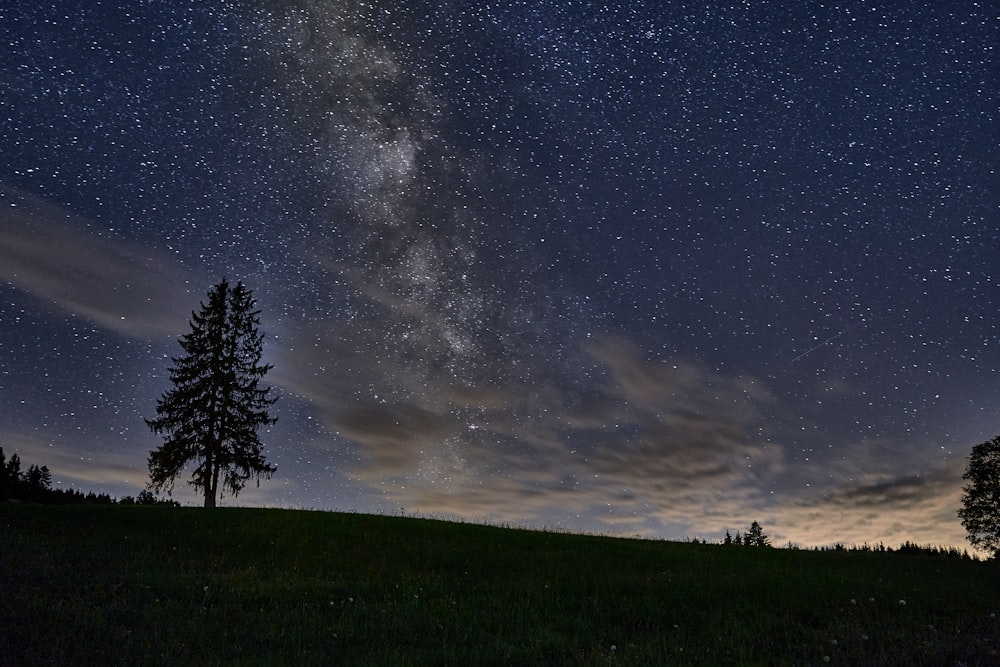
(755,537)
(904,548)
(34,485)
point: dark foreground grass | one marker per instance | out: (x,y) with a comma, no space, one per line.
(183,586)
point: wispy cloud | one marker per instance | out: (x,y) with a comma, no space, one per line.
(649,447)
(57,257)
(917,507)
(652,439)
(84,466)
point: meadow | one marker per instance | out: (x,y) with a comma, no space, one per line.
(135,585)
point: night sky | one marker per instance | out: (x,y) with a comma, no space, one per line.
(636,268)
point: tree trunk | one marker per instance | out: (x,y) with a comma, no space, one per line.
(209,496)
(211,478)
(212,486)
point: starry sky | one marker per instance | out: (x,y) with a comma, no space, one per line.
(635,268)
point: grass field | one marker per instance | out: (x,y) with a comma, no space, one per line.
(184,586)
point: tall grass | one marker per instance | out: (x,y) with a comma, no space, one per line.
(178,586)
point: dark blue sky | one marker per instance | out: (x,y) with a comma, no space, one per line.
(657,268)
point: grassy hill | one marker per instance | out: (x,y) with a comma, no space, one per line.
(178,586)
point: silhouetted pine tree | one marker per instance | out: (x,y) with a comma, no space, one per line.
(12,476)
(216,406)
(755,537)
(37,483)
(6,484)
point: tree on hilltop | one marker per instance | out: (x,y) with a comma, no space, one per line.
(755,537)
(13,482)
(980,511)
(10,471)
(37,483)
(213,412)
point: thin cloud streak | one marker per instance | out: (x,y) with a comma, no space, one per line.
(917,508)
(88,468)
(51,254)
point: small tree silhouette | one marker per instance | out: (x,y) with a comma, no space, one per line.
(755,537)
(37,482)
(6,481)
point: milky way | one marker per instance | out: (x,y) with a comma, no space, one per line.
(643,268)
